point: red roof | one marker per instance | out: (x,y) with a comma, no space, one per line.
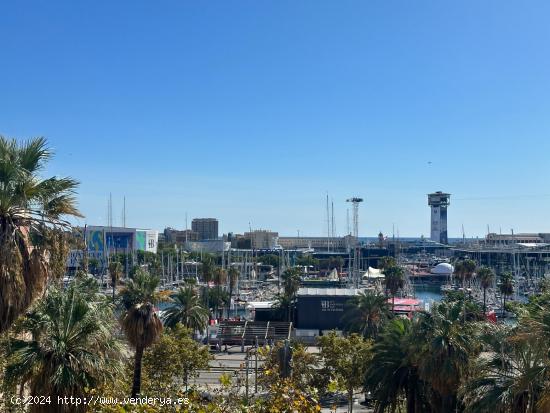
(405,301)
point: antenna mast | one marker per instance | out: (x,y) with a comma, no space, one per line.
(355,201)
(328,227)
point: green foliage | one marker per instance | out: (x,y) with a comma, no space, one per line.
(303,367)
(345,360)
(393,371)
(33,212)
(142,288)
(269,259)
(66,344)
(175,357)
(186,309)
(366,314)
(307,260)
(285,303)
(140,321)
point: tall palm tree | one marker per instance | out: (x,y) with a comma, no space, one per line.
(140,322)
(459,271)
(506,287)
(115,271)
(469,266)
(187,310)
(233,274)
(366,313)
(33,214)
(486,277)
(65,346)
(511,373)
(393,370)
(291,281)
(386,262)
(220,279)
(446,348)
(395,281)
(207,272)
(220,276)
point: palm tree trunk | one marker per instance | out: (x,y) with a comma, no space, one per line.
(350,400)
(484,300)
(136,386)
(114,287)
(393,304)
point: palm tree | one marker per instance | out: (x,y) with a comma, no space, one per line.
(32,220)
(115,271)
(291,281)
(207,272)
(393,370)
(486,277)
(283,305)
(386,262)
(140,321)
(506,287)
(395,281)
(233,274)
(446,347)
(469,267)
(459,271)
(511,373)
(187,310)
(366,313)
(65,346)
(220,277)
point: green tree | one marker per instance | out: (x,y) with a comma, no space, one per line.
(307,260)
(233,275)
(65,346)
(140,321)
(393,371)
(395,281)
(269,259)
(469,268)
(302,367)
(486,277)
(386,262)
(217,300)
(509,376)
(446,347)
(115,271)
(186,309)
(366,313)
(506,287)
(173,358)
(32,221)
(459,271)
(285,302)
(345,360)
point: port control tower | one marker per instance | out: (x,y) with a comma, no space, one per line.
(439,202)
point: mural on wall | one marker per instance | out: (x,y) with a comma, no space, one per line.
(96,242)
(141,236)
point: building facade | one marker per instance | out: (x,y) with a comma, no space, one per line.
(318,243)
(439,201)
(206,228)
(262,239)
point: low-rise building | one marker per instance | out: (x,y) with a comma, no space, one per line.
(262,239)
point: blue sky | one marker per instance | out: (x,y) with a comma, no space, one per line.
(251,111)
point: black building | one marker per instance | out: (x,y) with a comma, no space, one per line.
(322,308)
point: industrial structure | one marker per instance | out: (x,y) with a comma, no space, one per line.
(439,202)
(355,201)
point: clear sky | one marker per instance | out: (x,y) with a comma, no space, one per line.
(251,111)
